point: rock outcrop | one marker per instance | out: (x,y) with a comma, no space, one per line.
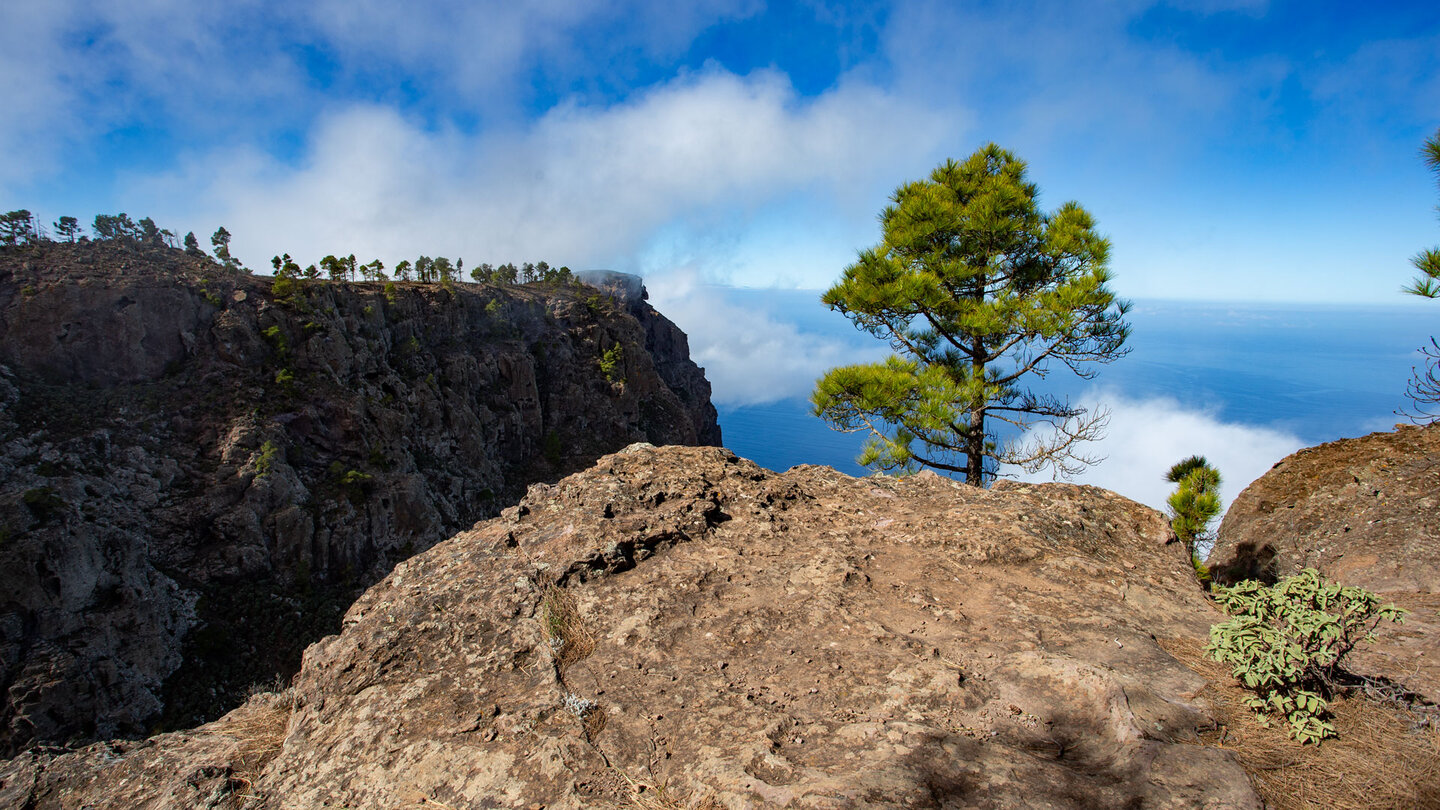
(679,618)
(197,475)
(1363,512)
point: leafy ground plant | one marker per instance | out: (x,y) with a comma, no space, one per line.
(1285,642)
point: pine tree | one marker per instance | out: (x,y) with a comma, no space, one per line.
(1427,284)
(977,291)
(150,233)
(17,228)
(220,240)
(1193,505)
(334,268)
(119,227)
(67,228)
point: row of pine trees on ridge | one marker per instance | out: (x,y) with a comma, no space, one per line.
(20,227)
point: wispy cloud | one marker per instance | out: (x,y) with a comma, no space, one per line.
(584,186)
(1146,437)
(750,356)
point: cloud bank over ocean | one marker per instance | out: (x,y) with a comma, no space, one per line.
(1147,436)
(767,347)
(750,355)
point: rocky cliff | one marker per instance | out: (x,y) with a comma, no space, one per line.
(198,475)
(1363,512)
(678,627)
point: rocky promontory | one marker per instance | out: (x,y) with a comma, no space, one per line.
(677,627)
(198,472)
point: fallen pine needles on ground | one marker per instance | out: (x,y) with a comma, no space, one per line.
(1383,757)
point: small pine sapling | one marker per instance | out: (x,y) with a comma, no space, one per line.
(1193,505)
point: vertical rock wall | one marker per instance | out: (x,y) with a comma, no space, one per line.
(197,476)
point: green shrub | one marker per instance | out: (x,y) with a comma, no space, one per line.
(1286,641)
(44,502)
(210,296)
(266,460)
(284,288)
(353,484)
(277,340)
(612,364)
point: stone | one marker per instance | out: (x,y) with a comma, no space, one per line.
(886,642)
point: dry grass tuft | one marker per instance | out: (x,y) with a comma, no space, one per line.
(570,638)
(259,727)
(642,796)
(1381,757)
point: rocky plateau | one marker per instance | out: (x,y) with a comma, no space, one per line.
(684,619)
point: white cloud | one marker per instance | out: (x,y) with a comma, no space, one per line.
(749,356)
(583,186)
(1146,437)
(75,73)
(34,93)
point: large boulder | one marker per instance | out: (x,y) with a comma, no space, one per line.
(1362,511)
(685,619)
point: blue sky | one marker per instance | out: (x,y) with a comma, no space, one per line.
(1234,150)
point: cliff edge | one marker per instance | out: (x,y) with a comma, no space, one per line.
(198,475)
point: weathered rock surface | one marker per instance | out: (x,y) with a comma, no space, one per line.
(682,617)
(196,478)
(1363,512)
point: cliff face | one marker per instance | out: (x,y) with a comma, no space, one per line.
(196,477)
(681,619)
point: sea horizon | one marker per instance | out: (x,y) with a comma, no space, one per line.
(1243,382)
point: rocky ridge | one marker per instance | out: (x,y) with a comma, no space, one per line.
(198,475)
(681,619)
